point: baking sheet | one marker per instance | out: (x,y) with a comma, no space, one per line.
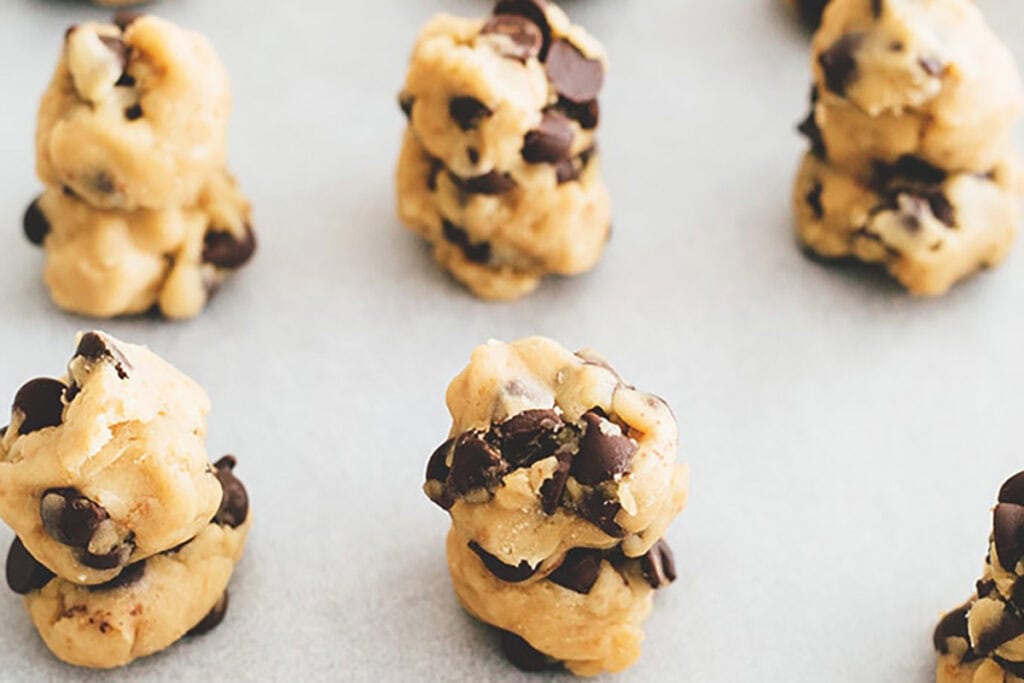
(846,440)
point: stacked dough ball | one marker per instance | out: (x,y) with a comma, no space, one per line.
(910,166)
(139,210)
(982,641)
(561,481)
(499,168)
(126,535)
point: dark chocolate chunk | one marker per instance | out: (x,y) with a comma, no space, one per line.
(524,656)
(983,588)
(551,490)
(24,572)
(133,112)
(601,512)
(113,558)
(118,47)
(406,103)
(493,183)
(1011,667)
(454,233)
(68,192)
(525,39)
(575,77)
(35,224)
(953,625)
(125,18)
(1009,627)
(532,10)
(1016,595)
(475,464)
(839,62)
(810,130)
(550,142)
(529,436)
(587,114)
(908,168)
(234,506)
(40,403)
(931,66)
(658,566)
(1012,490)
(437,466)
(505,572)
(213,617)
(467,112)
(478,253)
(133,573)
(1008,533)
(96,347)
(604,451)
(813,199)
(224,250)
(69,517)
(579,570)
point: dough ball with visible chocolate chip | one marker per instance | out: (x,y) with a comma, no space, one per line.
(107,465)
(929,231)
(555,468)
(499,168)
(983,639)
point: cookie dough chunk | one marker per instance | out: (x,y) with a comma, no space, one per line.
(499,166)
(929,229)
(983,640)
(150,604)
(107,465)
(900,78)
(552,454)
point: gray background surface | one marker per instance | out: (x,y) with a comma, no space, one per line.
(846,440)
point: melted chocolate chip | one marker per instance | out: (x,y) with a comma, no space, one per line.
(40,403)
(406,103)
(1008,533)
(550,142)
(223,249)
(475,464)
(505,572)
(1008,628)
(525,39)
(810,130)
(493,183)
(575,77)
(839,62)
(234,505)
(1012,490)
(601,512)
(579,570)
(529,436)
(35,224)
(95,347)
(24,573)
(212,619)
(524,656)
(953,625)
(658,566)
(532,10)
(133,573)
(569,170)
(813,199)
(467,112)
(103,183)
(604,452)
(552,489)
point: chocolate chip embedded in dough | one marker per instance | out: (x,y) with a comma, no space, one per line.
(587,114)
(813,199)
(953,625)
(213,618)
(658,566)
(529,436)
(1010,667)
(1010,626)
(234,505)
(40,403)
(223,249)
(532,10)
(35,224)
(1012,490)
(1008,534)
(550,142)
(117,556)
(575,76)
(475,464)
(69,517)
(579,570)
(96,347)
(493,183)
(24,572)
(810,11)
(524,656)
(467,112)
(601,512)
(605,452)
(406,102)
(437,466)
(505,572)
(525,39)
(133,573)
(552,489)
(839,62)
(133,113)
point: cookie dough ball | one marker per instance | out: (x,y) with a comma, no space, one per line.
(900,78)
(929,229)
(498,168)
(983,640)
(150,604)
(104,263)
(585,612)
(551,450)
(107,466)
(135,116)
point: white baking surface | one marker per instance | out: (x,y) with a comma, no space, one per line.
(846,440)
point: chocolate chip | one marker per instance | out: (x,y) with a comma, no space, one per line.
(125,80)
(124,18)
(68,192)
(983,588)
(437,466)
(910,168)
(604,452)
(35,224)
(587,114)
(525,39)
(579,570)
(658,566)
(477,253)
(839,62)
(813,199)
(1012,490)
(810,11)
(601,512)
(118,47)
(876,8)
(454,233)
(528,437)
(1015,668)
(133,573)
(24,572)
(223,249)
(940,207)
(953,625)
(69,517)
(1010,626)
(95,347)
(550,142)
(113,558)
(133,112)
(435,170)
(505,572)
(575,77)
(467,112)
(569,170)
(213,617)
(552,489)
(532,10)
(234,505)
(1008,533)
(931,66)
(40,403)
(406,103)
(524,656)
(475,464)
(493,183)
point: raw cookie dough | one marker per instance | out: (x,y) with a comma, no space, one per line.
(552,453)
(140,212)
(107,465)
(148,606)
(499,168)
